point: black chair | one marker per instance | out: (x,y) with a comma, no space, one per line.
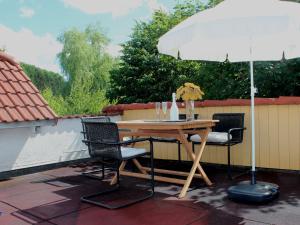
(102,139)
(228,131)
(91,174)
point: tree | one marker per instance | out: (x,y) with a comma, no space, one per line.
(86,63)
(84,101)
(145,75)
(84,55)
(44,79)
(57,103)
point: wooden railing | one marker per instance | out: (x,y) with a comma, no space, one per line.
(277,131)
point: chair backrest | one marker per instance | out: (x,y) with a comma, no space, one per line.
(229,121)
(105,132)
(93,119)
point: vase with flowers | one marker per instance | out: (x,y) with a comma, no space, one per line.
(189,92)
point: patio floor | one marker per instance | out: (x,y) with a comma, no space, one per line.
(53,197)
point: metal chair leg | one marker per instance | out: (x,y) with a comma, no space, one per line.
(152,167)
(228,162)
(179,151)
(89,198)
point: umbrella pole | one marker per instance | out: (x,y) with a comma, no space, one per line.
(253,177)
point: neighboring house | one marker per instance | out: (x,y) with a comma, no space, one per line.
(21,104)
(31,134)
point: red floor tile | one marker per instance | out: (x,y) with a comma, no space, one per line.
(18,218)
(150,212)
(56,209)
(218,217)
(55,195)
(45,223)
(6,209)
(63,172)
(32,199)
(31,183)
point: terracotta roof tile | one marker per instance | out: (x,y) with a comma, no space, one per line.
(9,75)
(5,100)
(2,76)
(27,87)
(26,99)
(45,111)
(25,113)
(2,91)
(11,66)
(14,114)
(36,99)
(3,65)
(17,87)
(4,116)
(23,76)
(16,99)
(20,100)
(19,76)
(7,87)
(33,87)
(36,113)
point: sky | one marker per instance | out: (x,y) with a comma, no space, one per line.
(29,28)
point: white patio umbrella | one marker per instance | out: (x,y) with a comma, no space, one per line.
(238,31)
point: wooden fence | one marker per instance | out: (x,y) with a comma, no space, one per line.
(277,131)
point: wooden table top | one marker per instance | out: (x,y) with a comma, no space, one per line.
(166,124)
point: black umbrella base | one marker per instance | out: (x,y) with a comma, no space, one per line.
(260,192)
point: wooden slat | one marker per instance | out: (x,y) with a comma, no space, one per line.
(263,142)
(171,172)
(157,178)
(273,138)
(257,136)
(294,137)
(283,137)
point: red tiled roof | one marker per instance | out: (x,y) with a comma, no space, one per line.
(20,100)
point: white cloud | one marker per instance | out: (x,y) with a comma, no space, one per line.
(26,12)
(115,7)
(27,47)
(114,50)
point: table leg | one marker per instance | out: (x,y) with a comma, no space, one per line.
(139,166)
(121,168)
(191,154)
(123,164)
(196,164)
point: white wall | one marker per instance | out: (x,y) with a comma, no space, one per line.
(24,147)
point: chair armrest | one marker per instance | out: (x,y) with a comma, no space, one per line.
(116,143)
(134,141)
(234,129)
(100,142)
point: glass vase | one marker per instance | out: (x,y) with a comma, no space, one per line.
(189,110)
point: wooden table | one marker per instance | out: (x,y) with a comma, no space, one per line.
(169,129)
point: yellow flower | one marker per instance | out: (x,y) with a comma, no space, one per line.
(189,91)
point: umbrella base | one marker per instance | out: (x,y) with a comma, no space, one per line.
(259,192)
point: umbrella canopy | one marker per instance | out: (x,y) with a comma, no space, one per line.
(238,31)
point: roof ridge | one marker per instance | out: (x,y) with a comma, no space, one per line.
(8,58)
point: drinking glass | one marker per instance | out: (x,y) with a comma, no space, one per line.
(157,109)
(164,106)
